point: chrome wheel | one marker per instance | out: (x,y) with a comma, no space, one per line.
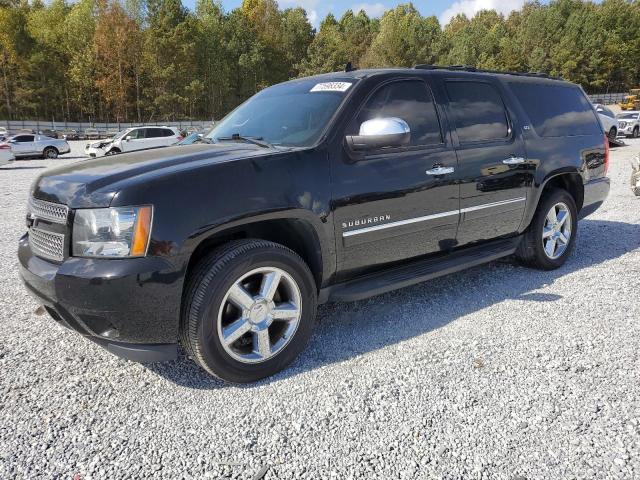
(556,233)
(259,315)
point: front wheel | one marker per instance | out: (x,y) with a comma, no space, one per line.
(613,133)
(550,238)
(636,132)
(50,152)
(249,310)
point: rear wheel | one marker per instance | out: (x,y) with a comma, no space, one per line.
(550,238)
(249,310)
(50,152)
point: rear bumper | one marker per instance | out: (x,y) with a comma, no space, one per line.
(595,193)
(129,306)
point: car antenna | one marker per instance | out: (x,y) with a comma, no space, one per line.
(349,67)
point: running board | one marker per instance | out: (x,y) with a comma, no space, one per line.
(420,271)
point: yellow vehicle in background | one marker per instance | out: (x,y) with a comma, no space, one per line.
(631,101)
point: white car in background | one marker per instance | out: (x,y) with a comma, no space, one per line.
(629,124)
(32,145)
(6,155)
(608,120)
(135,138)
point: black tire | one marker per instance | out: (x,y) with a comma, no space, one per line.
(50,152)
(613,133)
(205,292)
(113,151)
(636,132)
(531,250)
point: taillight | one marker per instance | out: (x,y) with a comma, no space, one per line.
(606,154)
(5,146)
(180,138)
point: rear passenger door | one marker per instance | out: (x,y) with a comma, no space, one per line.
(493,170)
(155,137)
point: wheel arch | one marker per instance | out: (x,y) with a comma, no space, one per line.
(298,234)
(569,180)
(53,147)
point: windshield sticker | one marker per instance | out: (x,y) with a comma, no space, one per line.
(331,87)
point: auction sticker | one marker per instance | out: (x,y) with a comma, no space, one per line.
(331,87)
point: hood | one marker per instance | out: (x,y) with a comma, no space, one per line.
(93,183)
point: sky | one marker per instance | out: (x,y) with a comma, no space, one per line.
(443,9)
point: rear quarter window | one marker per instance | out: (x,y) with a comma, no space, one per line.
(557,110)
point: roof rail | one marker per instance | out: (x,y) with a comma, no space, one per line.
(469,68)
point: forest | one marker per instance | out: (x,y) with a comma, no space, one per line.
(155,60)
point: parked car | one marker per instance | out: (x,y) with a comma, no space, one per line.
(48,132)
(111,132)
(37,145)
(70,134)
(4,132)
(91,133)
(136,138)
(329,188)
(6,155)
(608,120)
(629,124)
(635,175)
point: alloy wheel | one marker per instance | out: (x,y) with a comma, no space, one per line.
(259,315)
(556,232)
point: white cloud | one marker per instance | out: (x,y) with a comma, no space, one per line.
(371,9)
(313,17)
(308,5)
(471,7)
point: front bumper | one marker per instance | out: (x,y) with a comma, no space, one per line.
(129,306)
(596,192)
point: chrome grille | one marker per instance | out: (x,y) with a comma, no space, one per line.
(53,212)
(47,244)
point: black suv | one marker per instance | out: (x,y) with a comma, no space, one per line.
(330,188)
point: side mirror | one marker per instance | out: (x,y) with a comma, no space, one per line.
(380,133)
(127,138)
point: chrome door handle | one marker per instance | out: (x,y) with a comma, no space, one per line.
(440,171)
(513,160)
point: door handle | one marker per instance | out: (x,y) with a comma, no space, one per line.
(513,160)
(440,170)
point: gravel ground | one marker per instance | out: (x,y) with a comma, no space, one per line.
(496,373)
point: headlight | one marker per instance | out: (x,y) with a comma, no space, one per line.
(623,124)
(112,232)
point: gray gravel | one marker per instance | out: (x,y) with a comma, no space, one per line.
(496,373)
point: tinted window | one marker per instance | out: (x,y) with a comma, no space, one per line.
(154,133)
(478,111)
(24,138)
(167,133)
(557,110)
(412,102)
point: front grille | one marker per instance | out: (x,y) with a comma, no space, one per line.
(47,244)
(53,212)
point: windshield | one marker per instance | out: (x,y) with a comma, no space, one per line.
(290,114)
(628,116)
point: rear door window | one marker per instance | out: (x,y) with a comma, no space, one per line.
(167,133)
(478,111)
(24,138)
(556,110)
(154,133)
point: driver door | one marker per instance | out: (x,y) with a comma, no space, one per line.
(389,204)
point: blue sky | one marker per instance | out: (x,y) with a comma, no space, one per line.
(443,9)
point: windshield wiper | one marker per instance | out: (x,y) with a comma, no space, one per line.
(255,140)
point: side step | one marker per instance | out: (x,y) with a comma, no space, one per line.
(420,271)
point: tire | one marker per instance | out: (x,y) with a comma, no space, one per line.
(50,152)
(636,132)
(209,309)
(531,251)
(113,151)
(613,133)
